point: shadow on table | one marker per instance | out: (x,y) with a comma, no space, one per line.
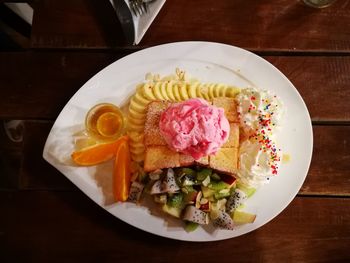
(107,21)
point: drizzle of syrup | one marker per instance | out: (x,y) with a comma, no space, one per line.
(286,158)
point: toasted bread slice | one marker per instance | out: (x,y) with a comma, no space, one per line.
(160,157)
(186,160)
(225,160)
(152,132)
(204,161)
(230,107)
(233,138)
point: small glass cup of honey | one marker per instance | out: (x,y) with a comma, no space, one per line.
(105,121)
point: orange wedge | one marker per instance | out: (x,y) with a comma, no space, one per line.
(122,172)
(97,153)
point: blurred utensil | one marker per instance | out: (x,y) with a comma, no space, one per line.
(125,17)
(139,7)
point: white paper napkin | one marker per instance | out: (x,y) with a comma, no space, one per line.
(143,22)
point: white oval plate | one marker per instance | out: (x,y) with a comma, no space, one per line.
(208,62)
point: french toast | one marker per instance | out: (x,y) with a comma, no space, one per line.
(233,138)
(159,156)
(187,160)
(230,107)
(225,160)
(152,132)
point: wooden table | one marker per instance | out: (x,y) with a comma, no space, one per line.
(45,218)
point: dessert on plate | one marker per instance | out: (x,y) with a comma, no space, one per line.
(205,148)
(199,150)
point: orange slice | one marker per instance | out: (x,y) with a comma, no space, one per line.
(97,153)
(122,172)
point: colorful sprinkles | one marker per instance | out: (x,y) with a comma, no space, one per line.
(263,133)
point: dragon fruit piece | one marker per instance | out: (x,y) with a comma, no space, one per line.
(135,192)
(155,175)
(196,215)
(166,185)
(224,221)
(157,188)
(235,200)
(169,184)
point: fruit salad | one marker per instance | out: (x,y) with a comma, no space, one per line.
(199,195)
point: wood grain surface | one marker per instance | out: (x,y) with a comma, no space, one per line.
(32,80)
(45,218)
(287,25)
(328,174)
(68,226)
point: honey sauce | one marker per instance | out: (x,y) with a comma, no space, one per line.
(105,121)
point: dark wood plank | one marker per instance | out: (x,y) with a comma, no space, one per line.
(11,146)
(36,173)
(330,164)
(256,25)
(38,84)
(321,81)
(78,24)
(53,226)
(328,174)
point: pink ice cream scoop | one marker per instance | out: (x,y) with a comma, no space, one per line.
(194,127)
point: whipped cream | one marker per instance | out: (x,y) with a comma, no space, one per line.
(256,166)
(259,108)
(260,114)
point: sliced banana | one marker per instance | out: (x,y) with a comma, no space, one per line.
(135,114)
(176,90)
(199,92)
(232,91)
(203,90)
(137,150)
(136,136)
(216,90)
(138,157)
(170,90)
(139,98)
(148,91)
(183,91)
(157,91)
(137,144)
(134,105)
(135,127)
(137,121)
(222,90)
(163,90)
(192,89)
(211,91)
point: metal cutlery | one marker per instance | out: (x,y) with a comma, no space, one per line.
(125,17)
(139,7)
